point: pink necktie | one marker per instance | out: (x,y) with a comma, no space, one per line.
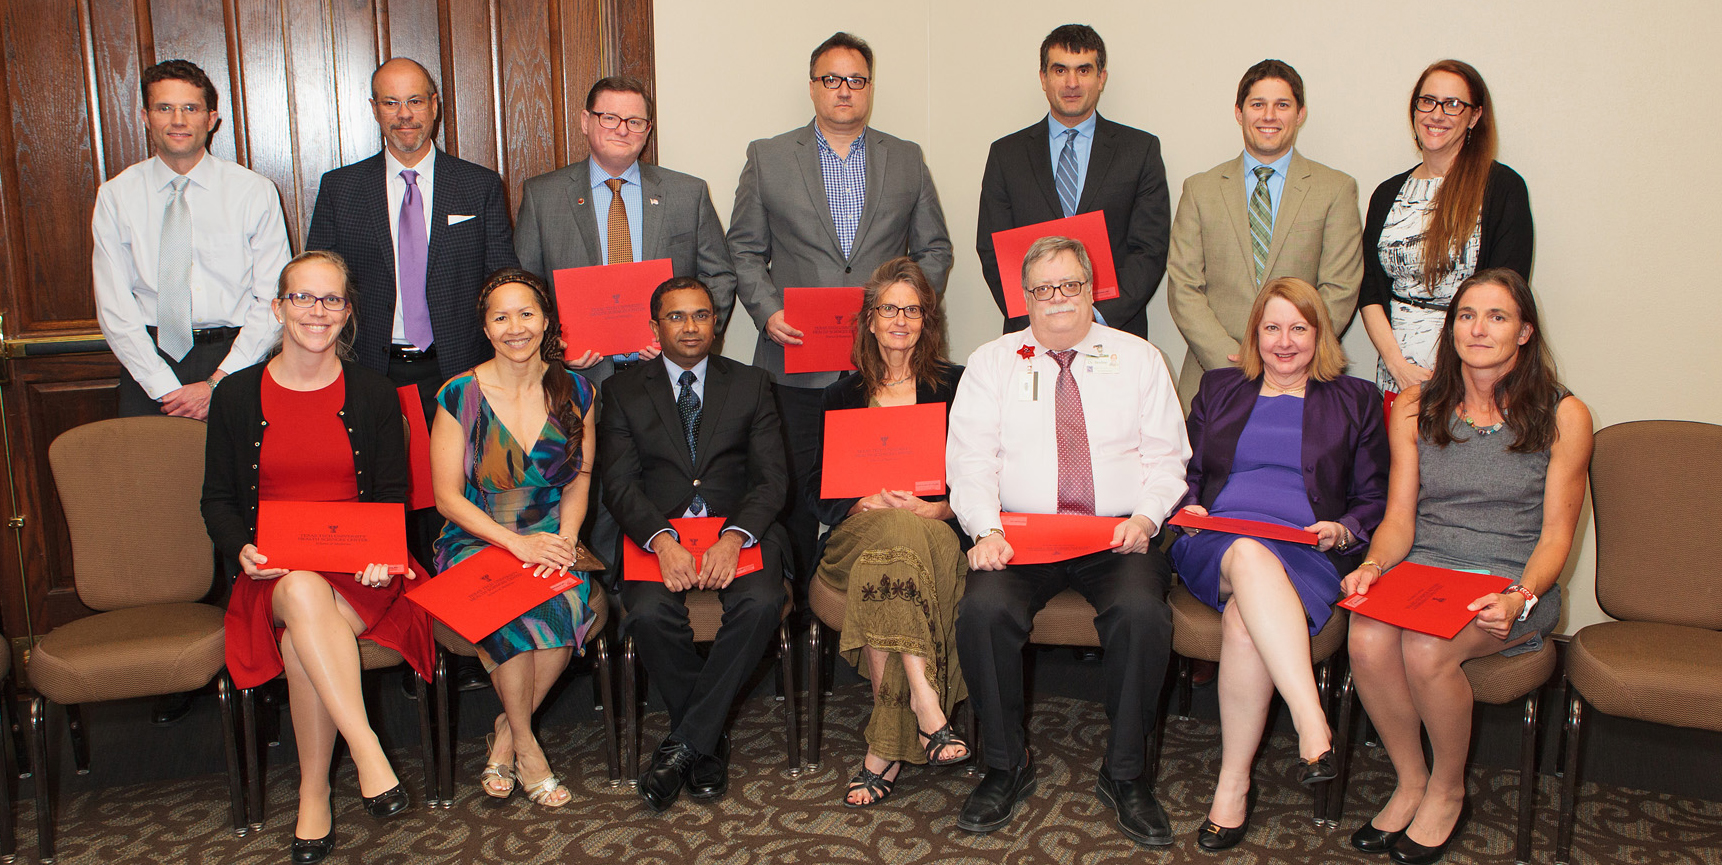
(1075,466)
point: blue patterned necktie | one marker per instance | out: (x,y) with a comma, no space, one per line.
(1261,220)
(1067,190)
(688,403)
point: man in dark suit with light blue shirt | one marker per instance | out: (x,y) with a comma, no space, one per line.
(1076,161)
(572,217)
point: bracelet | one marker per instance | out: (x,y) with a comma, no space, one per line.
(1373,564)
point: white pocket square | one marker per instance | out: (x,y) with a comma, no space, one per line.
(458,218)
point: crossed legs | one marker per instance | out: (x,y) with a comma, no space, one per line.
(521,683)
(923,701)
(320,652)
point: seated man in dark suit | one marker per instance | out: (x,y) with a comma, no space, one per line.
(693,435)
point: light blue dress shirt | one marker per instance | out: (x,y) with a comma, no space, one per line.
(1084,145)
(635,205)
(1276,181)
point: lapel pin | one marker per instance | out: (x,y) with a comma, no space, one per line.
(1026,352)
(654,199)
(580,201)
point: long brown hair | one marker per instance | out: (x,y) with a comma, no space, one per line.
(927,360)
(558,389)
(1527,396)
(1459,201)
(1329,359)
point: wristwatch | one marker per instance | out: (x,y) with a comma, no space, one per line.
(1530,599)
(983,535)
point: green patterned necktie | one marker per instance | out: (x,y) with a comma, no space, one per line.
(1261,220)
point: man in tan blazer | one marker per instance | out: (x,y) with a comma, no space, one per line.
(1268,213)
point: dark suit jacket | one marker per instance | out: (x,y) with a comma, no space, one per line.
(848,392)
(1344,448)
(1126,179)
(1508,238)
(352,218)
(558,228)
(649,478)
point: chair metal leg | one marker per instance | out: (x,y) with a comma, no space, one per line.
(253,759)
(80,740)
(8,833)
(446,732)
(1341,752)
(39,767)
(829,665)
(230,750)
(786,661)
(1569,784)
(974,739)
(1322,792)
(1527,779)
(631,710)
(612,747)
(1184,687)
(815,685)
(427,738)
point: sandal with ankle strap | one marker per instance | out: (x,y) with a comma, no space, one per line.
(939,740)
(874,783)
(501,772)
(542,792)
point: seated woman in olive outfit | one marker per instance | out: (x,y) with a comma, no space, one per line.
(1490,459)
(510,462)
(897,556)
(1286,439)
(308,425)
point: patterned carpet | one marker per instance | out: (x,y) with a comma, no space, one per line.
(769,817)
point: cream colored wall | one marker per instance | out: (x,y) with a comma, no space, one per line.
(1606,109)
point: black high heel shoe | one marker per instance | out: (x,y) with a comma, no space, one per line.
(307,851)
(1372,840)
(1313,772)
(1213,837)
(1408,852)
(387,803)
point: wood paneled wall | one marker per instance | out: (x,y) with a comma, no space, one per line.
(293,78)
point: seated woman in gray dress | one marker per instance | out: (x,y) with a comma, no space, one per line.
(898,556)
(1490,459)
(1288,440)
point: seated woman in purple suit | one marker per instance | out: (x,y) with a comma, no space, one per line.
(1286,439)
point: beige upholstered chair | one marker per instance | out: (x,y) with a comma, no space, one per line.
(1196,635)
(452,643)
(1656,487)
(142,559)
(705,614)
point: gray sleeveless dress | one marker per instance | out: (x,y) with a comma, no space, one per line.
(1480,507)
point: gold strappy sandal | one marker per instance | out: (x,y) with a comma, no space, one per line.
(542,792)
(498,772)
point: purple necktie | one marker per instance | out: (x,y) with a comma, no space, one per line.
(411,248)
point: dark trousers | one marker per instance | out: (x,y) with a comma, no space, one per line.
(699,691)
(199,364)
(425,524)
(1128,592)
(803,412)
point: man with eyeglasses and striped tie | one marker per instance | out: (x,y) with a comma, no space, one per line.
(1073,162)
(1266,214)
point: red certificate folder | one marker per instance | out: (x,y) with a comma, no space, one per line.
(1252,528)
(899,447)
(697,534)
(340,537)
(608,308)
(826,319)
(418,449)
(1425,599)
(1010,247)
(487,590)
(1036,539)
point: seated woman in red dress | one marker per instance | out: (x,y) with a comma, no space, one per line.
(307,425)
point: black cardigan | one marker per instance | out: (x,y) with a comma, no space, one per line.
(849,392)
(371,413)
(1507,235)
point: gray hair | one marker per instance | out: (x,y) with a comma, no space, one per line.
(1049,246)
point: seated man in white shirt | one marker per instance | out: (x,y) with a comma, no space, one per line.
(1069,417)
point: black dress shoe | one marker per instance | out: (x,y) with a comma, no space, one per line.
(1408,852)
(993,802)
(387,803)
(1140,816)
(470,677)
(1212,836)
(662,781)
(310,851)
(708,777)
(169,708)
(1372,840)
(1313,772)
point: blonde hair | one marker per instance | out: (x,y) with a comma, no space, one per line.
(1329,361)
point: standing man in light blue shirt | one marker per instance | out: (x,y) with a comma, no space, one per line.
(1266,214)
(1074,162)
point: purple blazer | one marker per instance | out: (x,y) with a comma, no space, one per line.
(1345,454)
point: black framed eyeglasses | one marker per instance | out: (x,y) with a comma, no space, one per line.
(832,82)
(332,302)
(891,310)
(1452,106)
(637,125)
(1071,288)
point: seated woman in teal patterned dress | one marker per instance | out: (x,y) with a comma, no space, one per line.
(510,464)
